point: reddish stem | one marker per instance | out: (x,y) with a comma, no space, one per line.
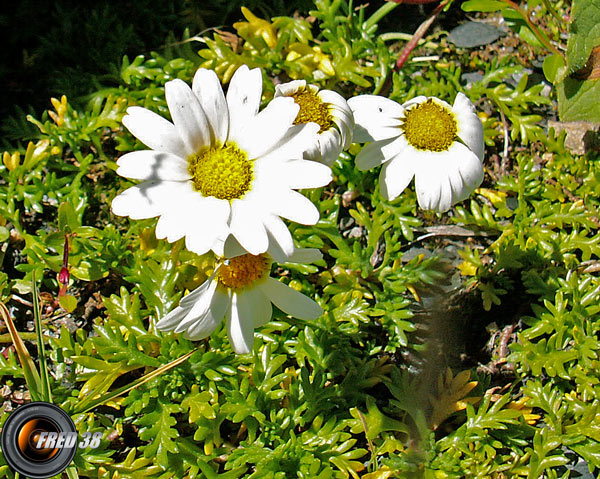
(410,46)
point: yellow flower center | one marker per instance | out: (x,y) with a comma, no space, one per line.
(221,171)
(312,108)
(244,270)
(430,126)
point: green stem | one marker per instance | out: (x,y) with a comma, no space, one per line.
(379,14)
(46,392)
(541,36)
(552,11)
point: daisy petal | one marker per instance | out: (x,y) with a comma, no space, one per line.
(295,207)
(289,300)
(281,243)
(188,301)
(171,320)
(240,326)
(199,307)
(305,255)
(153,165)
(330,146)
(175,222)
(154,131)
(232,248)
(207,88)
(289,88)
(276,119)
(210,320)
(259,304)
(189,118)
(376,117)
(207,211)
(395,176)
(145,200)
(300,174)
(378,152)
(243,98)
(296,141)
(434,190)
(470,128)
(247,227)
(468,167)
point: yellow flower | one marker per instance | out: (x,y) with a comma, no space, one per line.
(256,27)
(11,161)
(317,63)
(61,110)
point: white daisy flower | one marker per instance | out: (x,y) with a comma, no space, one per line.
(326,108)
(440,145)
(221,167)
(241,291)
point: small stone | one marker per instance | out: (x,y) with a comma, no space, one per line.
(582,136)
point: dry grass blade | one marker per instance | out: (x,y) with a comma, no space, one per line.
(32,377)
(138,382)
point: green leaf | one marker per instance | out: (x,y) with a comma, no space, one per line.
(68,302)
(554,68)
(483,5)
(157,428)
(579,96)
(584,32)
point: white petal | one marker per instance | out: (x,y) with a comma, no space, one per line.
(174,221)
(417,100)
(259,306)
(378,152)
(376,117)
(145,200)
(171,320)
(153,165)
(210,216)
(240,325)
(281,243)
(199,307)
(267,128)
(305,255)
(243,98)
(188,301)
(330,145)
(289,88)
(345,124)
(434,190)
(465,171)
(247,227)
(470,128)
(210,320)
(154,131)
(395,176)
(296,207)
(207,88)
(298,174)
(289,300)
(297,139)
(188,116)
(232,248)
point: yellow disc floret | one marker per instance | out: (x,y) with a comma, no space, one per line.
(221,171)
(244,270)
(430,126)
(312,108)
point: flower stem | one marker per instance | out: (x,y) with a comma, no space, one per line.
(539,34)
(410,46)
(381,12)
